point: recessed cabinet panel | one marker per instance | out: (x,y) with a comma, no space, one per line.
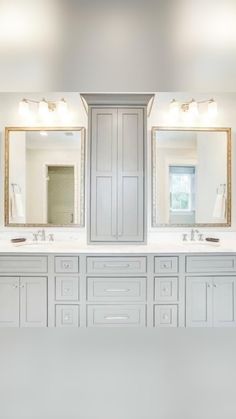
(199,301)
(114,265)
(9,302)
(224,301)
(166,315)
(166,264)
(33,301)
(66,264)
(213,264)
(116,289)
(116,315)
(67,316)
(103,174)
(24,264)
(130,175)
(166,289)
(67,288)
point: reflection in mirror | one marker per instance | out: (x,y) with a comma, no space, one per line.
(191,176)
(44,182)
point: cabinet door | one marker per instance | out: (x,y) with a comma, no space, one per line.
(33,302)
(103,191)
(198,301)
(130,175)
(224,300)
(9,301)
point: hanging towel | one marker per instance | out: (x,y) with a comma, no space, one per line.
(17,209)
(220,206)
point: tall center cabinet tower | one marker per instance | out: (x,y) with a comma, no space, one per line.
(117,167)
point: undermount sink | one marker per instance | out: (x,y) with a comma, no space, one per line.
(201,243)
(34,243)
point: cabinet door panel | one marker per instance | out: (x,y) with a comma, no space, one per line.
(130,175)
(9,302)
(103,189)
(198,302)
(224,299)
(33,302)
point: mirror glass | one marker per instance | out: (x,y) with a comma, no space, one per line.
(44,176)
(191,177)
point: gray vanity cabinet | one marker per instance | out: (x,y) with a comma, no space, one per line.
(117,175)
(23,301)
(211,301)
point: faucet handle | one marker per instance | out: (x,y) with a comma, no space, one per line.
(185,237)
(200,237)
(51,237)
(35,237)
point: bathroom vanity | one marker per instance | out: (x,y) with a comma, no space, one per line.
(117,280)
(147,286)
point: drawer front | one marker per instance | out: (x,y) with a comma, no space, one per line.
(114,265)
(166,315)
(116,289)
(69,264)
(166,289)
(213,264)
(24,264)
(67,316)
(67,288)
(166,264)
(116,316)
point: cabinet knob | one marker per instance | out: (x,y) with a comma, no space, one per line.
(15,286)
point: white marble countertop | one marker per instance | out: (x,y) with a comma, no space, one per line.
(76,247)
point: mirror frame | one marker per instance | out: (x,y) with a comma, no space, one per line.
(8,130)
(154,222)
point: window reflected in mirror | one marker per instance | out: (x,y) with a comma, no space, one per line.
(44,182)
(191,176)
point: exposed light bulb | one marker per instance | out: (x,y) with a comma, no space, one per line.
(174,109)
(212,108)
(24,108)
(193,108)
(62,107)
(43,108)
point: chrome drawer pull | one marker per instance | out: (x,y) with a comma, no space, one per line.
(117,290)
(127,265)
(116,317)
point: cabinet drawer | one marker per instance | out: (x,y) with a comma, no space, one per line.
(213,264)
(69,264)
(67,288)
(116,315)
(166,264)
(116,289)
(166,289)
(111,265)
(166,315)
(67,316)
(24,264)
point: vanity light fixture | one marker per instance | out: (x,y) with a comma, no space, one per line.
(192,108)
(44,107)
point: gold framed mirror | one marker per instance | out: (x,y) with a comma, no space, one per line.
(44,176)
(191,177)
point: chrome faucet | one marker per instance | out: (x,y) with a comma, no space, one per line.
(192,234)
(42,235)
